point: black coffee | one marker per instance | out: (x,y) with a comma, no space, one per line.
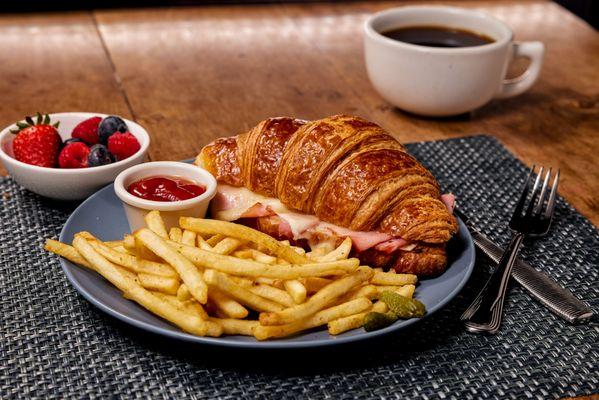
(437,36)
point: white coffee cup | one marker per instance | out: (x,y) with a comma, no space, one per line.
(438,81)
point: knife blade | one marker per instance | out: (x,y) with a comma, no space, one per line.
(542,287)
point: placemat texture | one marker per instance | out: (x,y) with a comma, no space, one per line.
(54,344)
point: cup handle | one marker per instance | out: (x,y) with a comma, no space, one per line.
(515,86)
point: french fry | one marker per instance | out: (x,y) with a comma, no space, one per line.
(192,307)
(276,283)
(175,234)
(148,281)
(197,308)
(133,263)
(241,267)
(188,238)
(386,278)
(368,291)
(227,305)
(313,284)
(183,293)
(129,244)
(245,254)
(114,243)
(319,250)
(296,290)
(406,290)
(214,239)
(66,251)
(239,293)
(137,293)
(202,244)
(340,325)
(187,271)
(237,231)
(144,253)
(244,282)
(259,256)
(227,245)
(340,253)
(121,249)
(272,293)
(320,318)
(156,223)
(159,283)
(232,326)
(320,300)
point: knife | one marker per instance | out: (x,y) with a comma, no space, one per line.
(559,300)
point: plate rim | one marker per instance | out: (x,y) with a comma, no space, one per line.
(226,341)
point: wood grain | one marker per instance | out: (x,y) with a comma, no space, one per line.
(196,73)
(54,62)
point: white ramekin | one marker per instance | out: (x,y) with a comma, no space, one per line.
(68,184)
(136,208)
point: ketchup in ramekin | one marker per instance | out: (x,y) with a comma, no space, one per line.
(165,188)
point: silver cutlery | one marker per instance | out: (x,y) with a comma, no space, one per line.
(540,285)
(485,312)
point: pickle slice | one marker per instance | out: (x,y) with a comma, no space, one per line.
(402,306)
(376,320)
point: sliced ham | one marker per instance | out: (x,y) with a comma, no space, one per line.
(361,240)
(285,229)
(392,245)
(258,210)
(449,201)
(232,203)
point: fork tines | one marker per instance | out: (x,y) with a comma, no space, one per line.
(540,205)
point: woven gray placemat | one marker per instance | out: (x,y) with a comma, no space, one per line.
(54,344)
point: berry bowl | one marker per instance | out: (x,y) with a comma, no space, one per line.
(69,183)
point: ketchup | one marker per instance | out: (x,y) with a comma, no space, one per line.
(165,188)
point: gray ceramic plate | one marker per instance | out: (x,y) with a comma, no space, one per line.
(102,214)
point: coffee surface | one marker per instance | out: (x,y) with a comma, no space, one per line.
(437,36)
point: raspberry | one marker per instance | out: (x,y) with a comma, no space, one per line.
(123,145)
(87,130)
(74,155)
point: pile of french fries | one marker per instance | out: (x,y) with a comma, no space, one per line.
(212,277)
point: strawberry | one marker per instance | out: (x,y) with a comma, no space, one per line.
(123,145)
(74,155)
(87,130)
(37,143)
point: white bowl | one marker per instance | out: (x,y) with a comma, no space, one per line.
(69,184)
(136,208)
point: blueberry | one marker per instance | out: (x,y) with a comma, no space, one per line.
(99,155)
(110,125)
(72,140)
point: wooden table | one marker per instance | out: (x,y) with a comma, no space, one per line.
(190,75)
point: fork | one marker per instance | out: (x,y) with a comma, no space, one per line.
(485,312)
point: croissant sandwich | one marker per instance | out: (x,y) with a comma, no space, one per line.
(315,182)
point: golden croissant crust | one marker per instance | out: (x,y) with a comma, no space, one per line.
(343,169)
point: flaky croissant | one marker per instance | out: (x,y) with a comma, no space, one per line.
(344,170)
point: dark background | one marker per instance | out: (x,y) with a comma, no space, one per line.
(586,9)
